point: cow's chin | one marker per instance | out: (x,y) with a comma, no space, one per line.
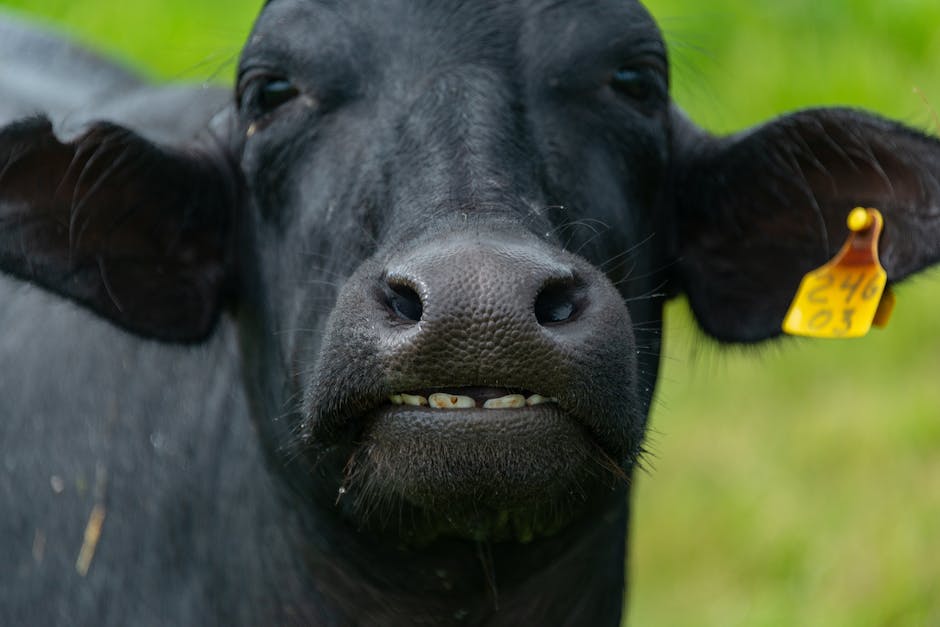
(498,475)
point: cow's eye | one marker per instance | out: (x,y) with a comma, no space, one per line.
(273,93)
(639,85)
(262,95)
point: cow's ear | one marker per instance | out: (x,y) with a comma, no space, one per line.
(136,232)
(758,210)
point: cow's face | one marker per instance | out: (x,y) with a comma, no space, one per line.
(439,213)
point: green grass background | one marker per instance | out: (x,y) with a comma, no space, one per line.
(793,484)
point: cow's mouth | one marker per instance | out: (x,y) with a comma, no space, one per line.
(474,462)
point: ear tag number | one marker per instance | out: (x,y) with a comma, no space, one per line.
(845,297)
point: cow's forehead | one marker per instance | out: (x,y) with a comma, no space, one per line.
(479,30)
(521,8)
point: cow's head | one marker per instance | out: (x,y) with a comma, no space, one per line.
(479,204)
(451,191)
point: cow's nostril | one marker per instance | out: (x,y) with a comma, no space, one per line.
(403,300)
(557,303)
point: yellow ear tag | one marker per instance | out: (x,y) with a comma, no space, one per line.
(843,298)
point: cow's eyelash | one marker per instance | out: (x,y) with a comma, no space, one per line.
(638,83)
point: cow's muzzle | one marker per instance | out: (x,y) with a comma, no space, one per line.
(478,374)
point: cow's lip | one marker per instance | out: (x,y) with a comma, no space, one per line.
(349,421)
(538,403)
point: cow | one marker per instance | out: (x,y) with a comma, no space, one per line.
(342,353)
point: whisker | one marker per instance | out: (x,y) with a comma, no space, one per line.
(632,249)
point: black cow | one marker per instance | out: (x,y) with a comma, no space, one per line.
(385,216)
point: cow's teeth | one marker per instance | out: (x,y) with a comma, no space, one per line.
(538,399)
(451,401)
(511,401)
(442,400)
(414,400)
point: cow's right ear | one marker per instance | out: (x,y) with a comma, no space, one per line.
(138,233)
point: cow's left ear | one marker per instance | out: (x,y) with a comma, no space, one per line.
(138,233)
(755,212)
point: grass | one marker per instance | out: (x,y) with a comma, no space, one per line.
(794,484)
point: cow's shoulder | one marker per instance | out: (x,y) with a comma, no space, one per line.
(43,71)
(157,437)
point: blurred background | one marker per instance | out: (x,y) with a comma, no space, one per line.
(792,484)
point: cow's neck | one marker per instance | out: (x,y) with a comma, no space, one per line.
(574,578)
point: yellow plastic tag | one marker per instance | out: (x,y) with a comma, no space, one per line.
(843,298)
